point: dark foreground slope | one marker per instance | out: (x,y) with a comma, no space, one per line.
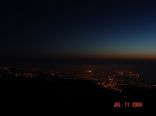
(67,95)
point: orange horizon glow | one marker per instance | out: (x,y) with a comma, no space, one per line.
(107,56)
(130,56)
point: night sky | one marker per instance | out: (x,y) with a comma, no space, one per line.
(106,28)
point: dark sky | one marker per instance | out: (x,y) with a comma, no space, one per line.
(101,28)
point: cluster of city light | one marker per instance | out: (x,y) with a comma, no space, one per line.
(129,74)
(24,74)
(109,83)
(115,79)
(6,71)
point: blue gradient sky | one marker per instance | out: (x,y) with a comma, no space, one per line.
(114,27)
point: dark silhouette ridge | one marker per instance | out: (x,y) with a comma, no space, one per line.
(71,95)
